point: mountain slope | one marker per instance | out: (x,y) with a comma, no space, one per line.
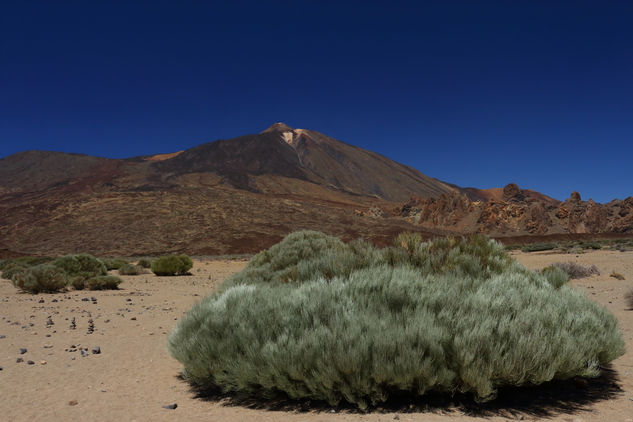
(305,155)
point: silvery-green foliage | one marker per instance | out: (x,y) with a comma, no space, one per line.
(315,318)
(555,275)
(45,278)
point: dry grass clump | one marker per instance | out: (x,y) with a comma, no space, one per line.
(575,270)
(318,319)
(616,275)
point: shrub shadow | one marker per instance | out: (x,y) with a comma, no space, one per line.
(545,400)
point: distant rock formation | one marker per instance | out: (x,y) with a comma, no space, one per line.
(519,213)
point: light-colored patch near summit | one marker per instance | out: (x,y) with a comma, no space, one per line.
(291,137)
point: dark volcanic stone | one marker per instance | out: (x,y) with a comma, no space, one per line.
(19,360)
(96,350)
(22,350)
(30,362)
(85,299)
(170,406)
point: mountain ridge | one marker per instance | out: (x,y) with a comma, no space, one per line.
(243,194)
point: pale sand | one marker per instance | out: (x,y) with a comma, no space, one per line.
(134,376)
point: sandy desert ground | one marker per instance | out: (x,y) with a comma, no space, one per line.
(134,377)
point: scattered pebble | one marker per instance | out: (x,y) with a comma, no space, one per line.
(22,350)
(133,318)
(96,350)
(43,362)
(41,301)
(91,326)
(2,336)
(73,403)
(170,406)
(85,299)
(30,362)
(19,360)
(84,353)
(73,324)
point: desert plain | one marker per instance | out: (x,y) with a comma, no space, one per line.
(133,376)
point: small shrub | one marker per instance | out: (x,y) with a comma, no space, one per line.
(81,265)
(629,298)
(555,276)
(172,265)
(314,318)
(114,263)
(537,247)
(25,261)
(145,263)
(79,283)
(41,278)
(103,282)
(130,269)
(575,270)
(12,269)
(590,245)
(617,276)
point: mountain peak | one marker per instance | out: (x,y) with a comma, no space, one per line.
(278,127)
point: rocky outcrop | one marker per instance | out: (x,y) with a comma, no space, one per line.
(519,212)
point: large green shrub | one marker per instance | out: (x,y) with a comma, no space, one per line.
(81,265)
(314,318)
(172,265)
(41,278)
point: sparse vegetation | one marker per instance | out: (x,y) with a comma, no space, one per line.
(114,263)
(145,263)
(616,275)
(575,270)
(44,278)
(538,247)
(103,282)
(131,269)
(590,245)
(11,267)
(172,265)
(315,318)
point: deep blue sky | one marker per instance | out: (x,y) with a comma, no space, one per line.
(477,93)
